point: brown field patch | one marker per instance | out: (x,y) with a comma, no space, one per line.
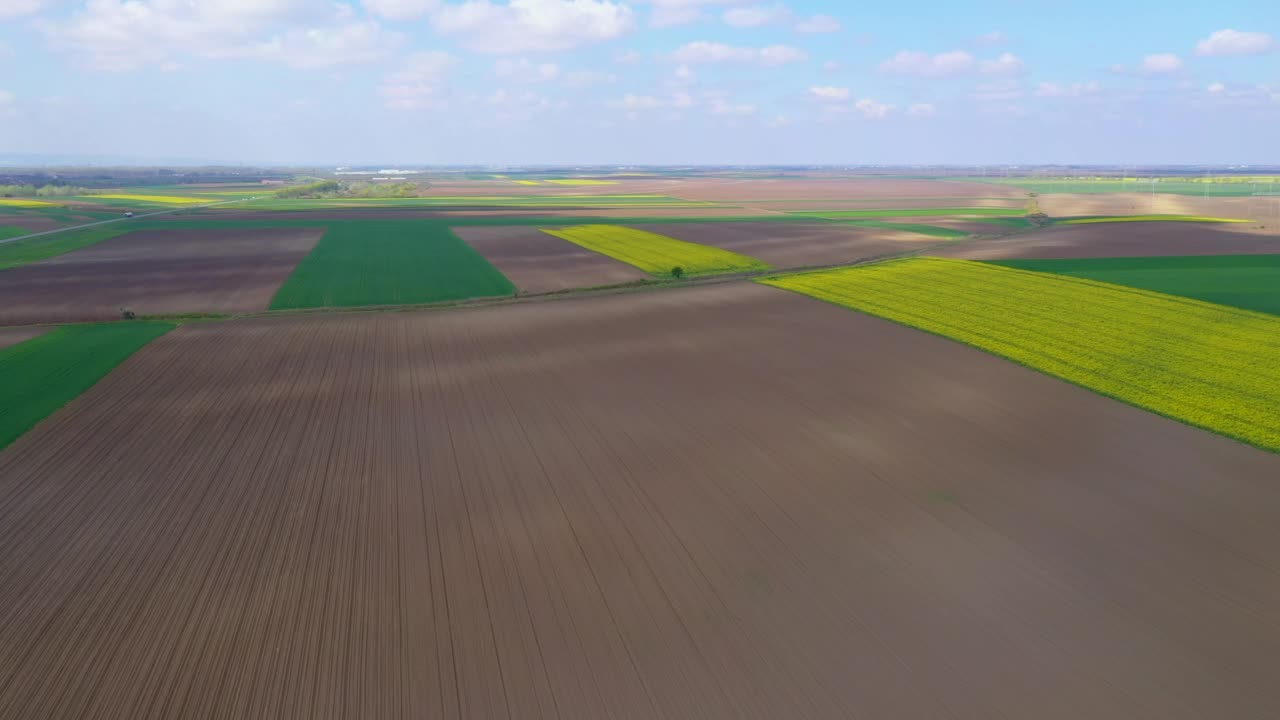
(876,190)
(716,502)
(30,223)
(14,335)
(1264,209)
(156,272)
(537,262)
(795,244)
(1132,239)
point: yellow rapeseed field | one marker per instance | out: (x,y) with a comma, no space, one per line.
(1207,365)
(25,202)
(166,199)
(654,253)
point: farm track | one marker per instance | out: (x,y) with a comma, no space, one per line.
(719,501)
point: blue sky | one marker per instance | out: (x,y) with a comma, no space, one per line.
(642,81)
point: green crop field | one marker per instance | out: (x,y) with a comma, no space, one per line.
(398,262)
(1095,219)
(48,371)
(1251,282)
(21,252)
(7,232)
(1009,223)
(656,254)
(1207,365)
(915,212)
(930,230)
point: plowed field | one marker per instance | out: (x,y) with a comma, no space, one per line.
(156,272)
(537,262)
(1136,239)
(717,502)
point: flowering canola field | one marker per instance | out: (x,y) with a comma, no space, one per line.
(164,199)
(1207,365)
(24,203)
(654,253)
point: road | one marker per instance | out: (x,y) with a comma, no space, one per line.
(122,218)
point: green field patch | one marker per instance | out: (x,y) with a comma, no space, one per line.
(7,232)
(1207,365)
(915,212)
(930,230)
(48,371)
(22,252)
(1095,219)
(1251,282)
(388,262)
(472,202)
(656,254)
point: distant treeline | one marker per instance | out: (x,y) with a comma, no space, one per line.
(334,189)
(41,190)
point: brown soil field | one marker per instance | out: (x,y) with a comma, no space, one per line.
(871,189)
(14,335)
(716,502)
(793,244)
(32,223)
(156,272)
(537,262)
(1133,239)
(1265,209)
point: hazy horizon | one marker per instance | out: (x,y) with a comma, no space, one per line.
(640,82)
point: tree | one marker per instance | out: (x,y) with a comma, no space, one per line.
(677,272)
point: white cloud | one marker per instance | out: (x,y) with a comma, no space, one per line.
(702,51)
(921,110)
(1054,90)
(419,83)
(818,24)
(873,109)
(6,98)
(400,9)
(118,35)
(1216,88)
(684,75)
(325,47)
(1229,42)
(523,70)
(532,25)
(1006,64)
(1161,63)
(632,102)
(588,78)
(757,15)
(719,106)
(18,8)
(910,62)
(992,38)
(829,94)
(667,13)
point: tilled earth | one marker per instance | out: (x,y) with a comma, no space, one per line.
(155,272)
(720,502)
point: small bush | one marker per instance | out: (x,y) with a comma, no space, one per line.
(677,272)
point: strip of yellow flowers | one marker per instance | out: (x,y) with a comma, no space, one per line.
(1207,365)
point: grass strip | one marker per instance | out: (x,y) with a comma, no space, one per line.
(22,252)
(1250,282)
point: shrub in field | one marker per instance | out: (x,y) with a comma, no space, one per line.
(677,272)
(1207,365)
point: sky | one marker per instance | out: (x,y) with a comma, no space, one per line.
(644,82)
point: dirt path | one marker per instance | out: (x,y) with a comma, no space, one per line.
(714,502)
